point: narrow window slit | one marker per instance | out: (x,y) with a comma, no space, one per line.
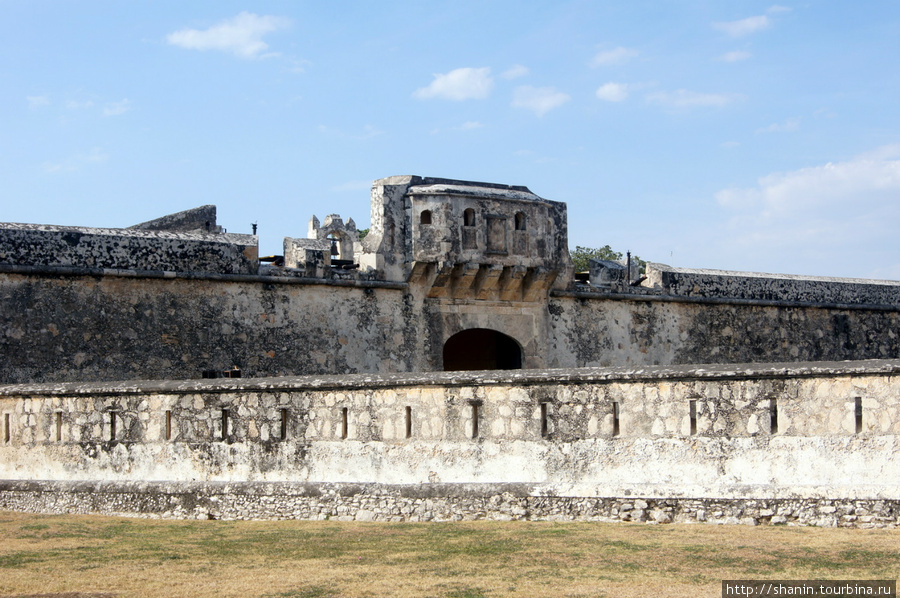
(544,423)
(520,221)
(773,416)
(112,425)
(693,409)
(284,424)
(168,425)
(225,424)
(858,412)
(408,421)
(616,429)
(344,423)
(475,414)
(7,431)
(58,420)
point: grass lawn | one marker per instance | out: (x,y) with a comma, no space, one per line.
(88,556)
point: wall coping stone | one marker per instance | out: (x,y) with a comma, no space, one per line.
(215,276)
(583,291)
(472,190)
(766,275)
(698,282)
(138,233)
(746,371)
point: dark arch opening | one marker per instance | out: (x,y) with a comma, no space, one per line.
(482,349)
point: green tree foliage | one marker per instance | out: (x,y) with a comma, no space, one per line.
(581,257)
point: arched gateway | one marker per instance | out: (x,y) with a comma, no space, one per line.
(482,349)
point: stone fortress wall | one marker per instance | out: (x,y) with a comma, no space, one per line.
(808,443)
(774,288)
(174,297)
(134,249)
(342,410)
(77,326)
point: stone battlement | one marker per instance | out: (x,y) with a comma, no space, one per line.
(688,282)
(127,249)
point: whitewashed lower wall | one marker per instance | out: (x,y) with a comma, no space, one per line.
(548,433)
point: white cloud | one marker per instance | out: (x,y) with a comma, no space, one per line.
(744,26)
(515,72)
(117,108)
(870,179)
(94,156)
(469,125)
(459,84)
(76,105)
(369,132)
(735,56)
(776,9)
(825,113)
(539,100)
(614,56)
(825,214)
(298,65)
(37,101)
(683,98)
(613,92)
(788,126)
(241,35)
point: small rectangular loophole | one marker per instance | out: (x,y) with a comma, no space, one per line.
(616,429)
(345,423)
(7,428)
(773,416)
(692,405)
(858,412)
(58,423)
(284,424)
(544,423)
(408,421)
(475,415)
(168,425)
(225,423)
(112,425)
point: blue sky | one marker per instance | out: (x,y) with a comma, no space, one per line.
(734,134)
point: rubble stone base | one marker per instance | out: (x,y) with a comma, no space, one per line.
(425,502)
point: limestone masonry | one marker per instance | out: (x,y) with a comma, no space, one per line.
(446,365)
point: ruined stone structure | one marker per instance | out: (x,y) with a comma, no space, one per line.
(343,408)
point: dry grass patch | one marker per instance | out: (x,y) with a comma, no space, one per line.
(86,556)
